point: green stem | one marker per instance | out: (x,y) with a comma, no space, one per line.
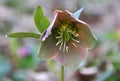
(62,73)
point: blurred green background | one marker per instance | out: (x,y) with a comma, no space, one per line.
(19,59)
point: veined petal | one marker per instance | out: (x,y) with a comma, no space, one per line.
(73,57)
(86,37)
(48,48)
(64,16)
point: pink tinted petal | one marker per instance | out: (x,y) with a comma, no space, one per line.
(52,25)
(86,37)
(48,48)
(64,16)
(72,58)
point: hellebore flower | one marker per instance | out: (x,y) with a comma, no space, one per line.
(67,39)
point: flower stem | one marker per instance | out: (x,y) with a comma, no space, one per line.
(62,73)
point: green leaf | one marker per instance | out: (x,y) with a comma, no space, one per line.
(24,35)
(40,20)
(77,13)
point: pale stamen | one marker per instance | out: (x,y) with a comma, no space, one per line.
(59,37)
(73,32)
(58,42)
(67,48)
(59,33)
(61,45)
(75,40)
(64,45)
(74,45)
(76,35)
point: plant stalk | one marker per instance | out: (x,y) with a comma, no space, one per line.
(62,73)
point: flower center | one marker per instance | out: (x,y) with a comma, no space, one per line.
(65,33)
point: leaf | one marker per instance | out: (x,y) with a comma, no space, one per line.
(40,20)
(24,35)
(77,13)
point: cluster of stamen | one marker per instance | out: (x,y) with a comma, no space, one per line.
(65,33)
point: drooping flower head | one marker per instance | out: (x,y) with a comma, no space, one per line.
(67,39)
